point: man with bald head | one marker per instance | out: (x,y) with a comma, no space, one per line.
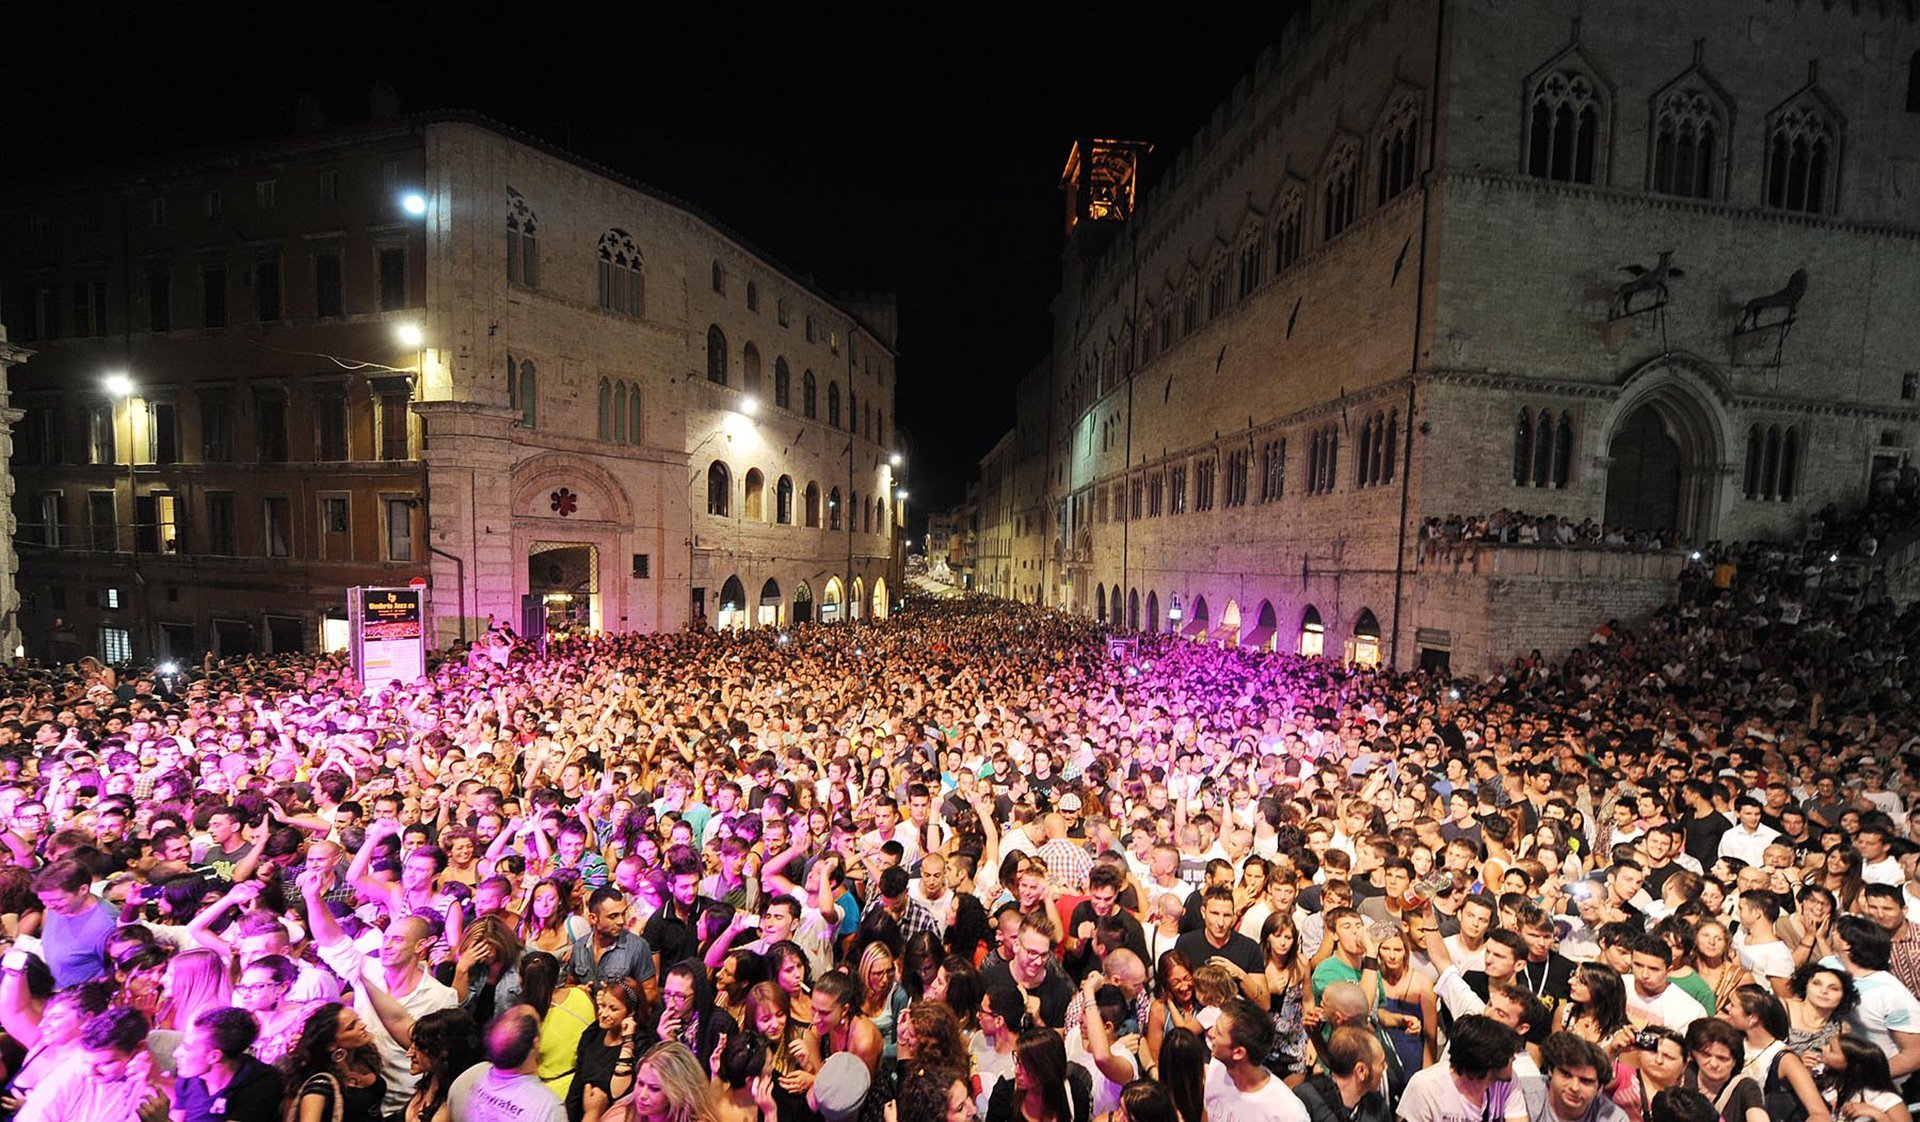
(400,970)
(507,1088)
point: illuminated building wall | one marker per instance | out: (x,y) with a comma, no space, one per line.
(1324,319)
(316,336)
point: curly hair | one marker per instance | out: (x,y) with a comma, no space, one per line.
(924,1094)
(312,1054)
(1849,993)
(938,1043)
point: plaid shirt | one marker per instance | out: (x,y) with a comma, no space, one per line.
(919,919)
(1068,865)
(1906,957)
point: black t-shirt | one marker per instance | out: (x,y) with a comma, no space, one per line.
(1240,950)
(1079,965)
(1703,836)
(254,1093)
(670,936)
(1549,980)
(1657,876)
(1055,993)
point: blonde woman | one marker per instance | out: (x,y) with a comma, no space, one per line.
(879,977)
(669,1085)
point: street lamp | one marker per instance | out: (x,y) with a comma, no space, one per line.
(409,335)
(119,386)
(749,405)
(414,203)
(895,459)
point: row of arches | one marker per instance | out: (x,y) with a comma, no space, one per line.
(868,422)
(1194,620)
(774,607)
(868,514)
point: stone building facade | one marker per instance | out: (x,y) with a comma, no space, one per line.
(1387,282)
(429,348)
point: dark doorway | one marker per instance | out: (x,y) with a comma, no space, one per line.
(233,637)
(177,638)
(1434,659)
(803,603)
(1643,479)
(533,621)
(286,634)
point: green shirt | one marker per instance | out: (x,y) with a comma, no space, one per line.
(1334,969)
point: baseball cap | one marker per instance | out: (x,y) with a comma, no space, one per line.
(840,1087)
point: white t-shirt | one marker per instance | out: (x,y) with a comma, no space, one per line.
(1272,1102)
(1465,960)
(1886,1007)
(1884,871)
(483,1094)
(1766,960)
(1106,1093)
(989,1068)
(1431,1096)
(1675,1008)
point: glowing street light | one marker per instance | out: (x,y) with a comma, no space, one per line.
(414,203)
(749,405)
(118,384)
(409,334)
(894,459)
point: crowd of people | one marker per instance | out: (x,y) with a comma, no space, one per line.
(1442,537)
(968,862)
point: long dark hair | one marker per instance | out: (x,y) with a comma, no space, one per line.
(1183,1057)
(539,977)
(450,1041)
(1147,1100)
(1043,1056)
(922,951)
(1608,1006)
(312,1054)
(1866,1070)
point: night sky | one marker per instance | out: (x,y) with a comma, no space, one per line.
(924,164)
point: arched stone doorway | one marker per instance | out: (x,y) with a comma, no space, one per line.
(1643,474)
(1364,648)
(1666,451)
(831,601)
(880,605)
(770,604)
(1197,619)
(1313,633)
(1100,603)
(733,606)
(1153,612)
(1261,638)
(1133,609)
(1113,606)
(1229,630)
(856,603)
(803,603)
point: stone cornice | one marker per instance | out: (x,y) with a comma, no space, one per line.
(1607,391)
(1526,184)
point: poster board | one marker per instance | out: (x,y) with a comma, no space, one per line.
(389,635)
